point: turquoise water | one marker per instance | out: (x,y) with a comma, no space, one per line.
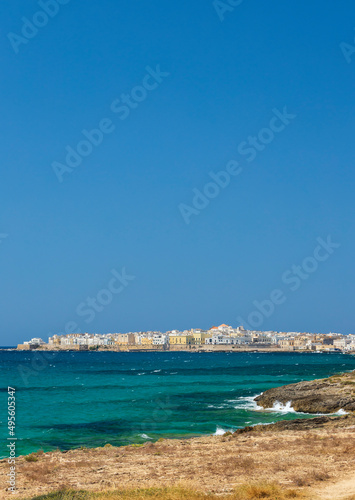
(93,398)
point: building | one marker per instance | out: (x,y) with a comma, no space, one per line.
(54,341)
(220,339)
(31,344)
(287,344)
(200,337)
(341,343)
(124,339)
(146,340)
(181,339)
(160,339)
(243,339)
(300,342)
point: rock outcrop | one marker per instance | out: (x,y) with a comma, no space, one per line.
(317,396)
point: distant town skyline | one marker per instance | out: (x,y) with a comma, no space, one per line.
(216,338)
(181,331)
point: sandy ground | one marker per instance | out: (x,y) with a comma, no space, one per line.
(343,489)
(318,461)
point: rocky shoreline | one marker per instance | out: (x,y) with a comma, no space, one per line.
(328,395)
(315,456)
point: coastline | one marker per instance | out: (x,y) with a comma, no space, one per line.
(277,454)
(190,349)
(320,396)
(307,456)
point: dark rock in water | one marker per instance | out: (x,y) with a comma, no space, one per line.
(317,396)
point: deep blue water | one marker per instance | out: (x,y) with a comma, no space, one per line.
(93,398)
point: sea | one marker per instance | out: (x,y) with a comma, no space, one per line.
(66,400)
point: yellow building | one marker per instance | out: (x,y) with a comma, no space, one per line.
(300,343)
(287,344)
(24,347)
(146,340)
(200,337)
(55,340)
(181,339)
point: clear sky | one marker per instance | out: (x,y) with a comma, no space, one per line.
(179,90)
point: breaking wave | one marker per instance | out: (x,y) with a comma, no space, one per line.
(247,403)
(283,408)
(145,436)
(341,412)
(220,431)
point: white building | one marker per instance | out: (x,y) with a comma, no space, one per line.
(34,341)
(218,339)
(160,339)
(341,343)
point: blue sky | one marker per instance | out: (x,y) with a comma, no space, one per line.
(121,207)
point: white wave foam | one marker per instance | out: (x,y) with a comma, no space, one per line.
(279,407)
(262,423)
(145,436)
(283,408)
(341,412)
(247,403)
(220,431)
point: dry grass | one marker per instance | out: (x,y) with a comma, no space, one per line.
(300,480)
(33,457)
(305,460)
(244,492)
(40,473)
